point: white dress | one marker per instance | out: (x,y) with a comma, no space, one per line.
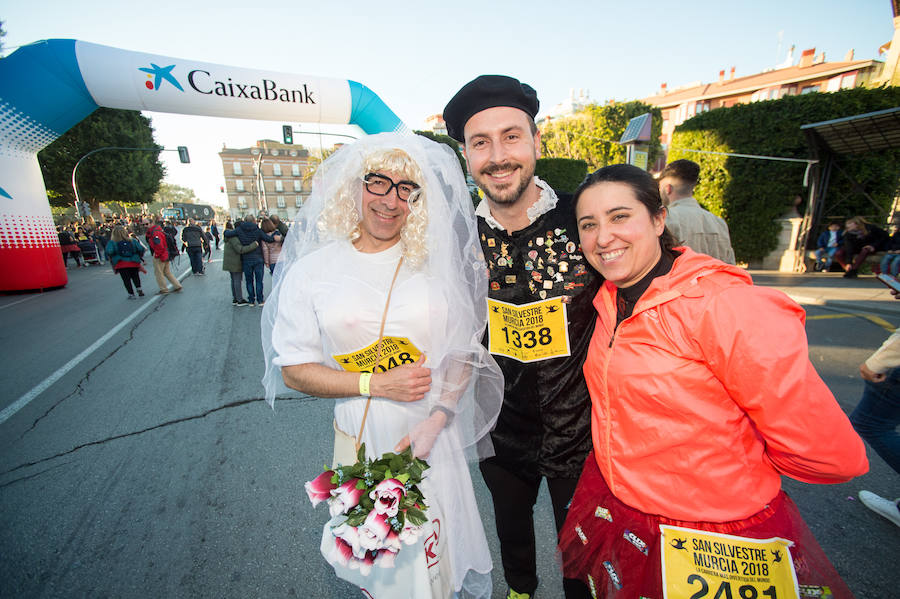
(331,303)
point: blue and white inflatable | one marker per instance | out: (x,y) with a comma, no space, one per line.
(49,86)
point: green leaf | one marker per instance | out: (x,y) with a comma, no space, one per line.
(356,518)
(403,477)
(416,517)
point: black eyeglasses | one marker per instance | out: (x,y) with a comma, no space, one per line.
(381,186)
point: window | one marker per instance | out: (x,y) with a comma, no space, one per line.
(239,184)
(298,184)
(236,168)
(809,89)
(295,170)
(849,81)
(279,186)
(276,169)
(298,201)
(242,202)
(281,201)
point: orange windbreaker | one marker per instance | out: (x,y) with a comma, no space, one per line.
(706,395)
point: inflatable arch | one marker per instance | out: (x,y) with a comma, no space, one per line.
(49,86)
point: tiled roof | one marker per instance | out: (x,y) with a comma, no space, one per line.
(751,83)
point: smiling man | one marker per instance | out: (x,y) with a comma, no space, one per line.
(540,317)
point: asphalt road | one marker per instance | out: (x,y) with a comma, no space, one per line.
(151,467)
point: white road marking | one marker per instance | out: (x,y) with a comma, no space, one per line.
(23,401)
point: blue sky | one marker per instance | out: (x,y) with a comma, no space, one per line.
(415,55)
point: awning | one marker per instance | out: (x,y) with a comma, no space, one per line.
(868,132)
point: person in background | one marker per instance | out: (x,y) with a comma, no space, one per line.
(231,263)
(280,225)
(861,238)
(207,245)
(877,416)
(890,263)
(696,414)
(193,238)
(125,256)
(826,245)
(69,247)
(248,232)
(271,250)
(214,229)
(159,243)
(690,223)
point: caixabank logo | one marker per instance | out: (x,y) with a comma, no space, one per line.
(203,82)
(159,75)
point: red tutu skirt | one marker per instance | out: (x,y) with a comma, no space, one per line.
(618,551)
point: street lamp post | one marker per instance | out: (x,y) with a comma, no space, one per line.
(80,160)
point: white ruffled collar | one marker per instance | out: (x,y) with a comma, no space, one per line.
(544,204)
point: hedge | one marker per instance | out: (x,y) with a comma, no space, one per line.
(562,174)
(750,194)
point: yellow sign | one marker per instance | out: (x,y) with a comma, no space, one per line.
(640,159)
(702,564)
(394,352)
(528,332)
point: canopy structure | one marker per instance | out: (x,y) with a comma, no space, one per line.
(47,87)
(863,133)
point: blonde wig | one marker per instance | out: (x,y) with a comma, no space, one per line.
(342,216)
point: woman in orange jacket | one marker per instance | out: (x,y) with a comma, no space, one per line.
(702,396)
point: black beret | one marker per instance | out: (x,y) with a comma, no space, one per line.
(487,91)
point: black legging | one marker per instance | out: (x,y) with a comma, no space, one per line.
(130,274)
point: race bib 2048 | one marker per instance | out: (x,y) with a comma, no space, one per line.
(528,332)
(394,352)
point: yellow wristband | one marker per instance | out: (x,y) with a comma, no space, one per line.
(364,379)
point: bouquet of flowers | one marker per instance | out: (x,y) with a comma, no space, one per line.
(375,505)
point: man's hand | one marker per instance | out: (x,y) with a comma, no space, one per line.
(424,435)
(409,382)
(872,377)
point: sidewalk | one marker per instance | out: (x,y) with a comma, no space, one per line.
(864,294)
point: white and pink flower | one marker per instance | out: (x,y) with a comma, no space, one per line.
(344,498)
(410,533)
(320,488)
(385,558)
(387,495)
(373,531)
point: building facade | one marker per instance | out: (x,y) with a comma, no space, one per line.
(270,177)
(810,74)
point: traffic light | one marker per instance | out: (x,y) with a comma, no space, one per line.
(183,154)
(288,131)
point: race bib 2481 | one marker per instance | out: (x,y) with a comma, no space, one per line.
(708,565)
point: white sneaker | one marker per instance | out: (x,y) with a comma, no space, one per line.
(881,506)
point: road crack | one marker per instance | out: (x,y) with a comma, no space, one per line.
(233,404)
(79,387)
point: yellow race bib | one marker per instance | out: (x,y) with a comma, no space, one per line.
(394,352)
(704,564)
(528,332)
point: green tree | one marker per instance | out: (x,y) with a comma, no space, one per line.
(593,134)
(447,140)
(169,193)
(124,176)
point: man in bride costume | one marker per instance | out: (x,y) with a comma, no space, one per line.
(388,240)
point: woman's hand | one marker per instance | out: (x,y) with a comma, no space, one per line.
(423,435)
(409,382)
